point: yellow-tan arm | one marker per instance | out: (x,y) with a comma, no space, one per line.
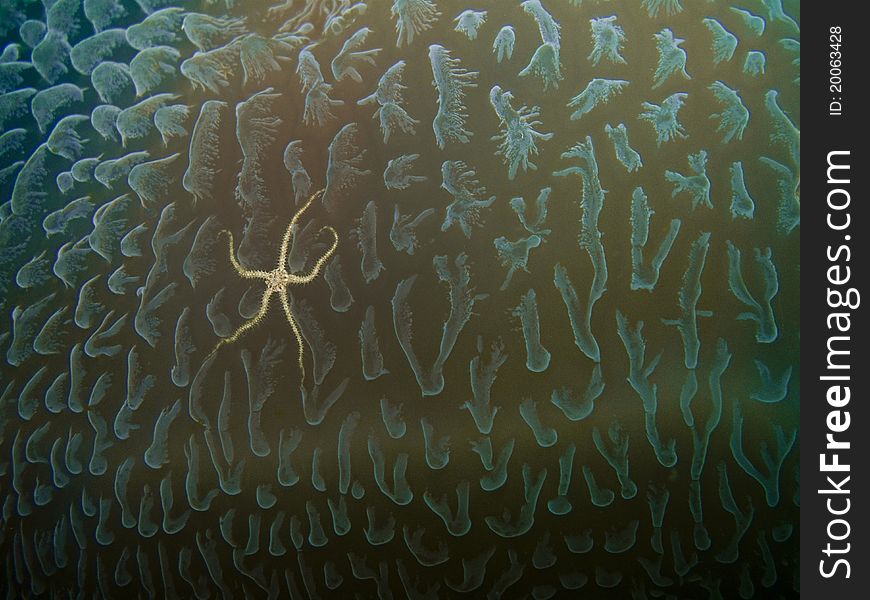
(315,270)
(289,232)
(242,272)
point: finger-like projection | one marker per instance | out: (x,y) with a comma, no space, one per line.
(388,96)
(638,376)
(413,17)
(735,116)
(152,180)
(724,42)
(785,132)
(664,117)
(617,456)
(65,140)
(318,104)
(342,169)
(34,272)
(672,58)
(784,442)
(50,54)
(32,32)
(577,409)
(590,240)
(690,293)
(204,148)
(546,65)
(598,91)
(49,103)
(751,21)
(503,45)
(366,233)
(137,121)
(537,357)
(151,68)
(256,128)
(161,27)
(207,32)
(462,300)
(396,175)
(518,138)
(469,21)
(755,63)
(742,204)
(645,276)
(65,181)
(507,527)
(110,172)
(298,174)
(93,50)
(101,13)
(214,69)
(773,388)
(25,326)
(518,205)
(451,81)
(666,7)
(761,312)
(776,12)
(14,105)
(468,196)
(260,55)
(170,122)
(482,379)
(350,56)
(340,297)
(628,156)
(788,184)
(608,39)
(112,81)
(515,255)
(104,120)
(12,141)
(698,184)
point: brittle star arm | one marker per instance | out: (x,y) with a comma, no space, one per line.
(264,308)
(295,327)
(291,228)
(243,272)
(315,270)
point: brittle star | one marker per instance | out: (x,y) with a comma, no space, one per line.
(278,279)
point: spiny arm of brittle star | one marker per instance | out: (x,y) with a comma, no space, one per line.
(248,325)
(315,270)
(289,232)
(295,327)
(240,270)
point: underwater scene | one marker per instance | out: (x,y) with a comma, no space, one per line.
(399,299)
